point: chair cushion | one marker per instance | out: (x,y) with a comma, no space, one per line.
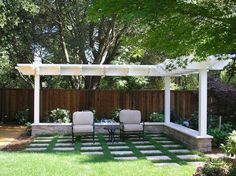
(130,116)
(133,127)
(83,118)
(83,128)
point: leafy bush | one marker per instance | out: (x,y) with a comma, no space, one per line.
(157,117)
(232,171)
(220,134)
(22,116)
(58,116)
(28,128)
(214,167)
(115,114)
(230,146)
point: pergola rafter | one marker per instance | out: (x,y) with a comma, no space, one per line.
(211,63)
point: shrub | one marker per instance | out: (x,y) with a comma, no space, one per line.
(232,171)
(213,167)
(115,114)
(28,128)
(58,116)
(22,116)
(230,146)
(157,117)
(220,134)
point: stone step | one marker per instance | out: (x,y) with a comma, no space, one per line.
(91,148)
(180,151)
(150,151)
(188,157)
(145,146)
(140,142)
(90,143)
(63,148)
(171,146)
(36,149)
(38,145)
(118,147)
(158,158)
(91,153)
(121,153)
(166,164)
(126,158)
(64,145)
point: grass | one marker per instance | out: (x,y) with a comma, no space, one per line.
(51,163)
(74,164)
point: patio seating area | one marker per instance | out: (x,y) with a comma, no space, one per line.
(160,149)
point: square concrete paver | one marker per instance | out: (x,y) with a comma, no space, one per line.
(36,149)
(38,145)
(166,164)
(91,148)
(145,146)
(116,143)
(64,145)
(89,143)
(158,158)
(159,138)
(150,151)
(171,146)
(126,158)
(165,142)
(63,148)
(118,147)
(42,140)
(180,151)
(92,153)
(121,153)
(141,142)
(188,157)
(64,140)
(89,140)
(196,163)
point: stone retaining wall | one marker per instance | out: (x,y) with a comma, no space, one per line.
(183,134)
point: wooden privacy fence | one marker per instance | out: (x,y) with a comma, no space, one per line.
(184,103)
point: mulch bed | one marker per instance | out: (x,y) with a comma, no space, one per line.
(19,144)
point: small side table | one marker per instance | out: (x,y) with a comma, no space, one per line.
(111,131)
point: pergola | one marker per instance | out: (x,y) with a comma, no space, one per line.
(211,63)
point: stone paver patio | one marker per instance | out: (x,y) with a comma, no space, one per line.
(157,148)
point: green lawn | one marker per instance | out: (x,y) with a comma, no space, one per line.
(74,164)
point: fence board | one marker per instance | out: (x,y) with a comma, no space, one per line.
(184,103)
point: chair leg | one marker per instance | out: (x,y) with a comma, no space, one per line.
(73,140)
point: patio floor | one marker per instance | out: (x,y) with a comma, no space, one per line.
(9,133)
(158,148)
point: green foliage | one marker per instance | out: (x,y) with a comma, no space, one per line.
(58,116)
(230,146)
(215,167)
(22,116)
(115,114)
(220,135)
(28,128)
(232,171)
(157,117)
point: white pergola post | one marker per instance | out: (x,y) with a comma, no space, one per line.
(167,100)
(37,92)
(202,121)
